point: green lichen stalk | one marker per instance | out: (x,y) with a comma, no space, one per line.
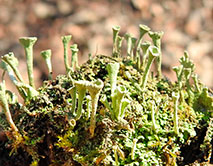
(113,69)
(28,43)
(12,61)
(94,91)
(115,30)
(81,88)
(153,53)
(144,46)
(156,38)
(46,54)
(74,63)
(128,38)
(175,98)
(12,77)
(65,40)
(72,91)
(119,95)
(5,106)
(143,30)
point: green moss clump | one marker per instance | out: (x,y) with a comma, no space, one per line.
(134,123)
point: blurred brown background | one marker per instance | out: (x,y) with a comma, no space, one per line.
(188,25)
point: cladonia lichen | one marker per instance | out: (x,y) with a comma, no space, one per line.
(109,111)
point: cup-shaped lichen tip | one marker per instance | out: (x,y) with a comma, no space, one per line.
(46,54)
(144,28)
(27,41)
(115,30)
(12,61)
(144,46)
(94,89)
(66,39)
(113,69)
(153,52)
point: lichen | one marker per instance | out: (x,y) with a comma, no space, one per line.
(109,111)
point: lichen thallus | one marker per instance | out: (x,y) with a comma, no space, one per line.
(119,101)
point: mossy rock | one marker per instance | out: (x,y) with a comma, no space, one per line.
(140,133)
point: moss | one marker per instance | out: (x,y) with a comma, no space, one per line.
(49,139)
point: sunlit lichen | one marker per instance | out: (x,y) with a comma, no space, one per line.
(108,111)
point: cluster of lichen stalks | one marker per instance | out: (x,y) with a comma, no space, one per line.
(136,49)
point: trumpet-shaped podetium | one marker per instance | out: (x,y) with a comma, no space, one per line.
(133,47)
(46,54)
(65,40)
(144,46)
(5,106)
(74,63)
(25,90)
(175,98)
(72,91)
(153,52)
(28,43)
(128,38)
(12,61)
(115,30)
(31,92)
(156,39)
(81,88)
(94,89)
(124,104)
(143,30)
(12,77)
(105,102)
(113,69)
(118,97)
(119,104)
(119,44)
